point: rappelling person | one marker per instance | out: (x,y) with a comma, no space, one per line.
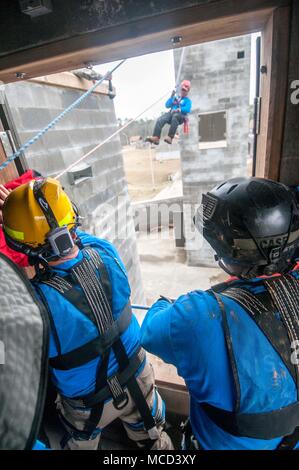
(179,107)
(96,362)
(236,344)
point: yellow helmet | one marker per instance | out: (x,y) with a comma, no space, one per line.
(34,215)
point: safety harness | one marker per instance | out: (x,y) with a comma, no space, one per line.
(90,278)
(281,295)
(177,102)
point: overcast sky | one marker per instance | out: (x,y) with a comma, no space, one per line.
(141,81)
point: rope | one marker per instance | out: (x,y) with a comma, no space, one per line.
(140,307)
(40,134)
(108,138)
(126,125)
(180,69)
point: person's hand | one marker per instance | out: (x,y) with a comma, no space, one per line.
(3,195)
(176,110)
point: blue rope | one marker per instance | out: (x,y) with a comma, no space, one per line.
(53,123)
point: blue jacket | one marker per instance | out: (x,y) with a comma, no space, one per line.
(189,335)
(176,102)
(74,329)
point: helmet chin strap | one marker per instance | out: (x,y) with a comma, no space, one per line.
(241,271)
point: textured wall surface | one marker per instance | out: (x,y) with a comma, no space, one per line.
(220,82)
(103,198)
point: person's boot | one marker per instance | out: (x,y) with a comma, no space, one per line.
(168,140)
(153,140)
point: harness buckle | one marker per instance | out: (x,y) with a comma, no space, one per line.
(121,401)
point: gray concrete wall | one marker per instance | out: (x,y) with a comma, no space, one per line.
(103,198)
(220,81)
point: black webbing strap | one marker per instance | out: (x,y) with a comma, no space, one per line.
(104,392)
(229,347)
(105,280)
(97,411)
(97,346)
(289,442)
(135,391)
(266,426)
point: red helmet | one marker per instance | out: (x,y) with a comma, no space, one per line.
(186,85)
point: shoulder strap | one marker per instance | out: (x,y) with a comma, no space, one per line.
(259,308)
(95,304)
(230,351)
(268,425)
(100,266)
(96,347)
(284,293)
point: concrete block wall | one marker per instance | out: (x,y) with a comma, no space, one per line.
(220,82)
(103,198)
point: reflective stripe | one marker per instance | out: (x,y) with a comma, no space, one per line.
(66,220)
(14,233)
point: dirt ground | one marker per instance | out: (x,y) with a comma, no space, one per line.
(144,183)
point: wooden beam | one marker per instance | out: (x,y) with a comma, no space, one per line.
(69,80)
(206,22)
(275,56)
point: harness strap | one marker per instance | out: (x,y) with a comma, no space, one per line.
(266,320)
(98,346)
(284,292)
(97,411)
(268,425)
(104,392)
(98,307)
(289,442)
(229,346)
(134,389)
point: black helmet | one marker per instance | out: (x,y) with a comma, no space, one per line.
(252,224)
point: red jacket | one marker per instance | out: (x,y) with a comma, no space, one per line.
(19,258)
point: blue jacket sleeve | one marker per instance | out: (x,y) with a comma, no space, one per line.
(155,331)
(186,107)
(169,103)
